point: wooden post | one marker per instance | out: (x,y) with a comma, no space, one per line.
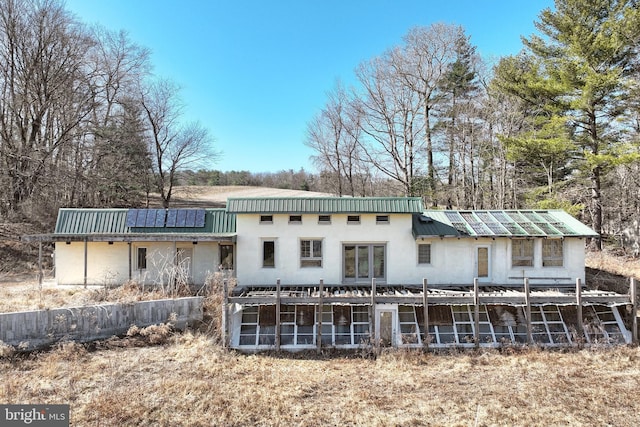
(40,273)
(476,312)
(225,312)
(373,313)
(278,314)
(320,309)
(634,307)
(527,299)
(130,265)
(86,244)
(580,319)
(425,312)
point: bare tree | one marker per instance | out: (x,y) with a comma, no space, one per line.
(173,145)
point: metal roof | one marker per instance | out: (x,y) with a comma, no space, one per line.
(85,222)
(325,205)
(499,223)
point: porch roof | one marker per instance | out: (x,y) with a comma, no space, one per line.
(499,223)
(414,295)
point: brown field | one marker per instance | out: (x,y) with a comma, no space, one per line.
(187,379)
(191,381)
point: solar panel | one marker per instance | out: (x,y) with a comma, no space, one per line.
(182,218)
(480,228)
(453,216)
(132,214)
(151,218)
(547,228)
(172,215)
(514,228)
(530,228)
(160,215)
(532,216)
(460,226)
(497,228)
(142,218)
(200,215)
(190,220)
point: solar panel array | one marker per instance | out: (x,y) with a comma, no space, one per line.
(508,223)
(166,218)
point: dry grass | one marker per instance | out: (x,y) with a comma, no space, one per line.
(191,381)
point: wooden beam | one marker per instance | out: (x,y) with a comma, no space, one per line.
(320,309)
(373,313)
(225,312)
(130,263)
(527,298)
(476,312)
(580,319)
(40,272)
(425,311)
(278,315)
(634,309)
(86,244)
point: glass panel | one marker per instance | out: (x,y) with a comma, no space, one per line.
(226,257)
(350,262)
(386,328)
(268,254)
(363,261)
(378,262)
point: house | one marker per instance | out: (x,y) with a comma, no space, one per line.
(352,272)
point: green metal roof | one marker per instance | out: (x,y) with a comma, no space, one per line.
(324,205)
(113,222)
(499,223)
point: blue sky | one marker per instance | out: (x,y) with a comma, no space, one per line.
(256,72)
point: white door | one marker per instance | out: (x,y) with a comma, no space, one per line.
(387,326)
(483,263)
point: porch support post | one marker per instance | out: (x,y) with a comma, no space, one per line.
(527,299)
(86,244)
(225,312)
(373,313)
(579,308)
(476,312)
(278,315)
(634,309)
(130,269)
(425,313)
(40,273)
(320,307)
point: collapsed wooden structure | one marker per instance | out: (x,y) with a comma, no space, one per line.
(289,317)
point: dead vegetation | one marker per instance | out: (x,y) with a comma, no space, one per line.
(191,381)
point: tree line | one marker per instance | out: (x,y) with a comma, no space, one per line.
(555,126)
(83,120)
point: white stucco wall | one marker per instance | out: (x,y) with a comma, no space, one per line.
(109,264)
(453,261)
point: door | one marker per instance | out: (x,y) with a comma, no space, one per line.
(184,257)
(386,326)
(483,264)
(361,263)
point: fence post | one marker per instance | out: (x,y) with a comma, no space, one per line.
(373,313)
(476,312)
(527,299)
(320,310)
(278,314)
(579,307)
(225,312)
(634,304)
(425,311)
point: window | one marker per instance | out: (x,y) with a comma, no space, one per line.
(353,219)
(424,253)
(142,258)
(382,219)
(226,257)
(552,253)
(268,254)
(522,253)
(363,262)
(295,219)
(310,253)
(324,219)
(266,219)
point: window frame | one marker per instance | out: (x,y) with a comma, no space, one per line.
(266,219)
(324,219)
(141,261)
(295,219)
(554,256)
(383,219)
(313,257)
(522,256)
(353,219)
(358,276)
(429,262)
(264,253)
